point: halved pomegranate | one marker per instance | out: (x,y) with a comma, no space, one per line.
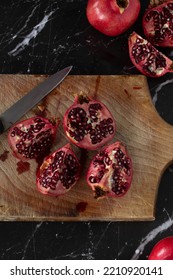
(32,138)
(88,123)
(158,24)
(110,172)
(59,172)
(147,59)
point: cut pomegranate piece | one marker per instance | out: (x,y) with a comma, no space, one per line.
(32,138)
(59,172)
(110,172)
(158,24)
(88,123)
(147,59)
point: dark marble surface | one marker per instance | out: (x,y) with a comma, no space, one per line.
(41,37)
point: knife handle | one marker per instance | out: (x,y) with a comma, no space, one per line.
(1,127)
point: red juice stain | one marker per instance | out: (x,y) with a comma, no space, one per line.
(22,166)
(4,155)
(127,93)
(81,206)
(97,87)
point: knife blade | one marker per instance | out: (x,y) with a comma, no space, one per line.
(23,105)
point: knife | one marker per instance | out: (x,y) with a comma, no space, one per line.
(16,111)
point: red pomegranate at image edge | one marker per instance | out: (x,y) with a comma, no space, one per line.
(158,23)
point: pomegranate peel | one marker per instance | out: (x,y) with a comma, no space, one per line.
(158,24)
(110,171)
(59,172)
(32,138)
(146,58)
(88,123)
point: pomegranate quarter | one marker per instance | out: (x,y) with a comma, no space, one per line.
(88,123)
(110,172)
(147,59)
(32,138)
(59,172)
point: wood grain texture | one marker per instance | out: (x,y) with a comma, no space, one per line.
(148,138)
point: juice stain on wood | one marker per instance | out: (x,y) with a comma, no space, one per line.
(22,167)
(4,155)
(96,87)
(81,206)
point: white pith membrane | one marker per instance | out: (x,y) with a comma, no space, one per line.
(59,172)
(110,172)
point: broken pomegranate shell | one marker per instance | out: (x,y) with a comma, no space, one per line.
(88,123)
(110,172)
(158,24)
(59,172)
(32,138)
(147,59)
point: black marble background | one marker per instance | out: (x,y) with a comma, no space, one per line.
(42,37)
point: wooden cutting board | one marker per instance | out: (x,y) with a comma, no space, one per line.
(148,138)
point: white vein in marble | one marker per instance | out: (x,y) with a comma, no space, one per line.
(159,88)
(29,240)
(33,34)
(150,236)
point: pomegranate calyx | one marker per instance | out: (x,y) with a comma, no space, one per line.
(122,5)
(55,121)
(82,98)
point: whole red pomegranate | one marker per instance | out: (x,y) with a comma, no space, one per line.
(88,123)
(163,250)
(158,24)
(112,17)
(147,59)
(110,172)
(32,138)
(59,172)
